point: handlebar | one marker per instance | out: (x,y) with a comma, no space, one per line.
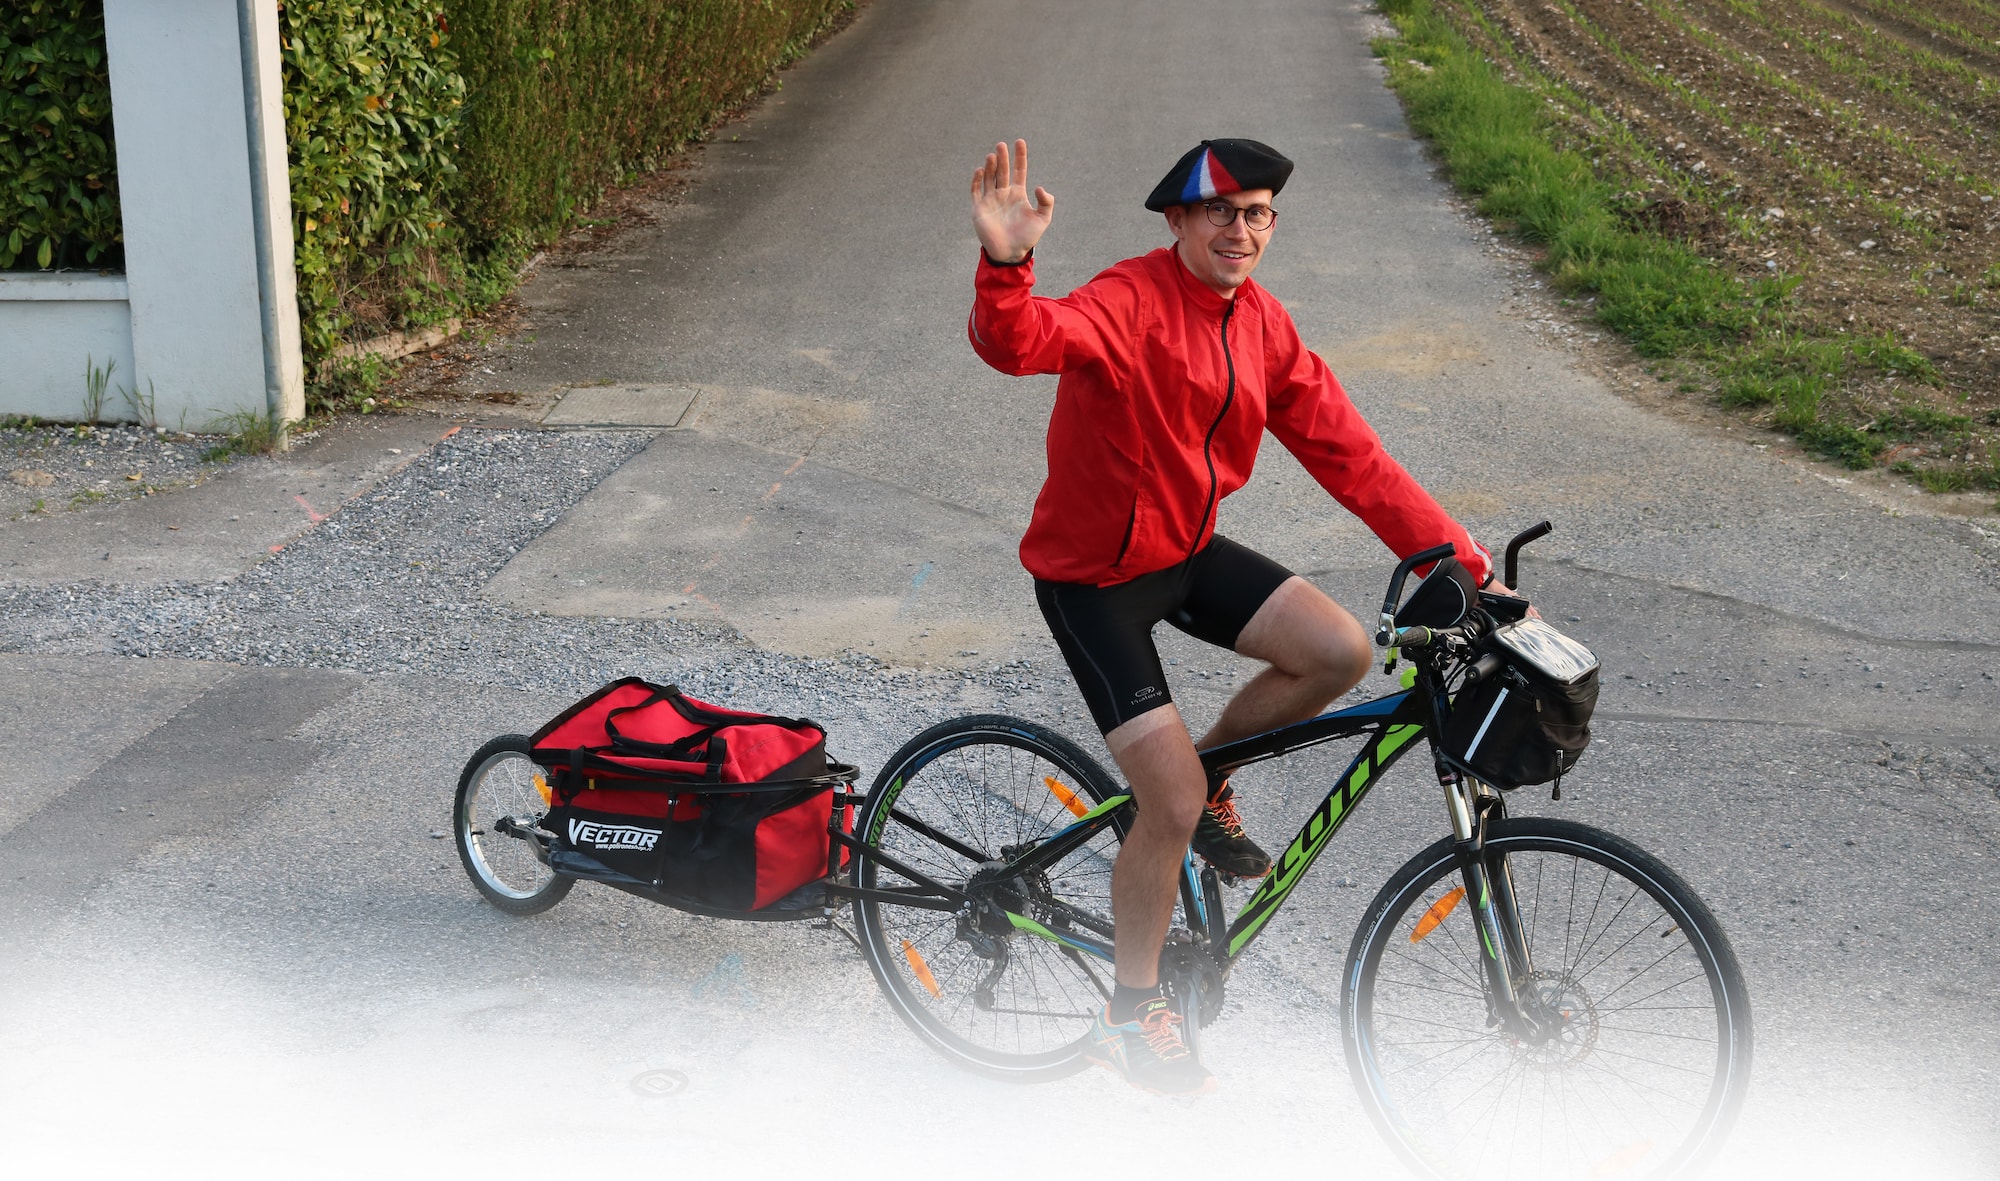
(1430,637)
(1514,549)
(1387,634)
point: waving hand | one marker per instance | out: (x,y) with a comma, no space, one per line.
(1007,222)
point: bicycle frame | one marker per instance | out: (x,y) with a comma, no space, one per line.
(1391,725)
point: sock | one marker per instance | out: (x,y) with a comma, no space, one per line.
(1125,1001)
(1217,781)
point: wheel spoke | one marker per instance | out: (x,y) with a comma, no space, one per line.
(975,793)
(1630,1065)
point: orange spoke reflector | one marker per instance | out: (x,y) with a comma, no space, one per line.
(542,790)
(1436,913)
(922,969)
(1076,806)
(1622,1160)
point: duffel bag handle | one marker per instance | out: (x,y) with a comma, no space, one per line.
(681,748)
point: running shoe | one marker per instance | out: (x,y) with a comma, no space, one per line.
(1148,1051)
(1220,840)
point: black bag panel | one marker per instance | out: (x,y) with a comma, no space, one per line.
(1516,729)
(710,857)
(1442,599)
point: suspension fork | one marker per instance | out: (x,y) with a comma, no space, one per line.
(1489,887)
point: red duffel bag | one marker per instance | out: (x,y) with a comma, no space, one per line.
(714,805)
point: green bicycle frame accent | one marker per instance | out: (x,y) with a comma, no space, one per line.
(1361,774)
(1395,723)
(1024,923)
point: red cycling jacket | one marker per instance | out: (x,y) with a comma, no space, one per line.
(1165,393)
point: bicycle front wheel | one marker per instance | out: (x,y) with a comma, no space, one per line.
(1646,1056)
(953,803)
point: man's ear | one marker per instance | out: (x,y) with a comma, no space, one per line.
(1176,219)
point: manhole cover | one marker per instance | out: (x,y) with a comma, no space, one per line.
(656,1084)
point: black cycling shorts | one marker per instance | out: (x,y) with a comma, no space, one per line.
(1106,632)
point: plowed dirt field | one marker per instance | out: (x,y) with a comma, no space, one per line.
(1853,144)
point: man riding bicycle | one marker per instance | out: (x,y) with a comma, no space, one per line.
(1172,366)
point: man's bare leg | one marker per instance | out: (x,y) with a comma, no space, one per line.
(1158,759)
(1315,651)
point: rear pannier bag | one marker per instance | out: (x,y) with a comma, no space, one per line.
(1530,722)
(715,805)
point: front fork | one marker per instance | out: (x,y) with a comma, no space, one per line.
(1489,887)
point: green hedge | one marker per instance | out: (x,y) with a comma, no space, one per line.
(58,172)
(432,141)
(373,98)
(568,96)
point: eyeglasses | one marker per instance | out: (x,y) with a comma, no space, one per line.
(1257,217)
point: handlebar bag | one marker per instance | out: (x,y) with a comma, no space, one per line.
(1530,722)
(720,806)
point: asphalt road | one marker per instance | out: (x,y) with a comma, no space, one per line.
(232,931)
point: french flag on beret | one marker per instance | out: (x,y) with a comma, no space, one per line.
(1208,180)
(1218,166)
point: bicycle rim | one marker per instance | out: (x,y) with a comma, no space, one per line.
(1013,1005)
(1651,1051)
(503,785)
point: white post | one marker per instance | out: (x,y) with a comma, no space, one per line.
(211,334)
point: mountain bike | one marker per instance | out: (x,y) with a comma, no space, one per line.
(1523,997)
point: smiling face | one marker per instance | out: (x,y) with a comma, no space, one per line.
(1222,257)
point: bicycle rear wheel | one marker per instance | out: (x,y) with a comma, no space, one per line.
(958,797)
(1649,1056)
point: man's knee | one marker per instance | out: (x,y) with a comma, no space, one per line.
(1304,634)
(1346,660)
(1158,759)
(1175,813)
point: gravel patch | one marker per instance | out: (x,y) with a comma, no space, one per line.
(391,585)
(52,469)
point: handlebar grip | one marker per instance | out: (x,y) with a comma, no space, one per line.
(1415,637)
(1514,550)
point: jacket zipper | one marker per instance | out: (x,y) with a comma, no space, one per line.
(1131,522)
(1228,398)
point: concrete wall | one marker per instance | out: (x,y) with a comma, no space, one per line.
(196,306)
(51,327)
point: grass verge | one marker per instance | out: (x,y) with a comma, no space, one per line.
(1727,331)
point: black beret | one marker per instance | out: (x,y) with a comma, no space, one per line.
(1220,166)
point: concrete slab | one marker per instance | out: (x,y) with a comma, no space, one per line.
(66,715)
(623,405)
(802,557)
(228,751)
(222,526)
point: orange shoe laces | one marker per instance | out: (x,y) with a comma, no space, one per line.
(1224,811)
(1161,1036)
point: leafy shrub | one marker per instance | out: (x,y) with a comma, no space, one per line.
(569,96)
(373,98)
(432,142)
(58,170)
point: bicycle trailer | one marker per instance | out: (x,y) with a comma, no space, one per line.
(701,806)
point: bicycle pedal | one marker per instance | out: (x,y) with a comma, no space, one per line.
(1229,879)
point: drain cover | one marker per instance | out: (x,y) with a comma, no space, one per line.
(657,1084)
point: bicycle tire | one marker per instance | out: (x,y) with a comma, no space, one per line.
(499,780)
(980,779)
(1652,1061)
